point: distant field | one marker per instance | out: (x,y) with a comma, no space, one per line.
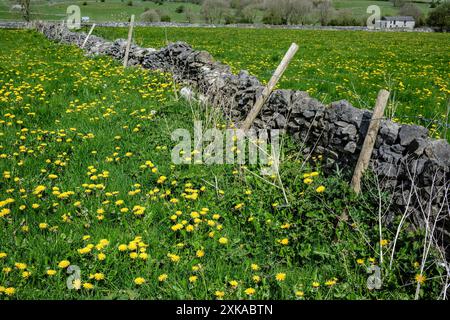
(118,10)
(359,7)
(333,65)
(110,10)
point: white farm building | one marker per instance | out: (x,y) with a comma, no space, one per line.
(402,22)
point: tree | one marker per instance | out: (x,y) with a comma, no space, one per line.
(434,4)
(440,17)
(180,9)
(273,14)
(398,3)
(344,17)
(150,16)
(164,17)
(300,11)
(410,9)
(189,14)
(246,14)
(214,10)
(236,4)
(25,9)
(287,11)
(324,10)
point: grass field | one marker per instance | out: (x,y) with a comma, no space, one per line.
(332,65)
(87,180)
(110,10)
(359,7)
(119,10)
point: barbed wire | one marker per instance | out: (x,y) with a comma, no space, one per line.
(443,124)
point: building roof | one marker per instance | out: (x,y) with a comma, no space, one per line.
(398,18)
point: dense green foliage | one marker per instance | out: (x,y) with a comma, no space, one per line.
(440,17)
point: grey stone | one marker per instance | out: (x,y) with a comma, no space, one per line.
(396,148)
(408,133)
(344,111)
(416,166)
(388,155)
(349,130)
(350,147)
(389,131)
(417,146)
(308,114)
(439,150)
(385,169)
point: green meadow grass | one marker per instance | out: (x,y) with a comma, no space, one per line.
(87,180)
(110,10)
(333,65)
(358,8)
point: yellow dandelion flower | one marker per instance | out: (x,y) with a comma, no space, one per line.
(249,291)
(299,294)
(254,267)
(88,286)
(51,272)
(200,253)
(330,283)
(420,278)
(43,225)
(280,276)
(99,276)
(163,277)
(10,291)
(320,189)
(139,281)
(101,256)
(63,264)
(233,283)
(20,265)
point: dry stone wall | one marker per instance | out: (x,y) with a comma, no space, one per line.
(413,166)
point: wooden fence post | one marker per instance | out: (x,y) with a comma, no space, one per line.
(269,88)
(130,34)
(87,37)
(369,141)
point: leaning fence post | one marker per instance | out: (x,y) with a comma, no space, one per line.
(269,88)
(87,37)
(369,141)
(130,33)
